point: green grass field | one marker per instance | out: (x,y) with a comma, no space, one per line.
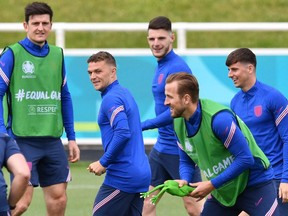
(82,191)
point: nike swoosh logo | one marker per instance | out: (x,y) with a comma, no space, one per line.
(257,203)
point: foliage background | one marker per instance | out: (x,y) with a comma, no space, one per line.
(144,10)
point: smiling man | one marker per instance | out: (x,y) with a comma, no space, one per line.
(33,77)
(124,160)
(210,135)
(164,157)
(265,110)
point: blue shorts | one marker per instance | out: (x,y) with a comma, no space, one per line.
(8,147)
(111,201)
(165,167)
(5,213)
(47,160)
(256,200)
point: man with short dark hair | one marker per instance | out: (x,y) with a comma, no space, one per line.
(124,160)
(164,157)
(265,111)
(33,77)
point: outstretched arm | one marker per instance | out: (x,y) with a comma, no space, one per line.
(159,121)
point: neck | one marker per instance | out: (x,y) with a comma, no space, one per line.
(249,85)
(189,111)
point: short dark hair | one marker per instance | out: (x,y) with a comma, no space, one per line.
(187,84)
(160,22)
(37,8)
(102,56)
(243,55)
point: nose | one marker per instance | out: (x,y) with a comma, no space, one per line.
(156,42)
(92,76)
(166,102)
(230,73)
(40,26)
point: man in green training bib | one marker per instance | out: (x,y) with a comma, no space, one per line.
(210,135)
(33,77)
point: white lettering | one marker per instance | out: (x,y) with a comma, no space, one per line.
(37,95)
(218,168)
(46,109)
(55,95)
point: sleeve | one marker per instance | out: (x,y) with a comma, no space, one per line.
(224,126)
(6,68)
(279,108)
(67,108)
(115,111)
(160,121)
(186,166)
(12,147)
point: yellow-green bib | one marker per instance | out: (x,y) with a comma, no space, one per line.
(35,93)
(209,153)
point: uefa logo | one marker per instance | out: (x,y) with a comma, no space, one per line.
(28,67)
(188,145)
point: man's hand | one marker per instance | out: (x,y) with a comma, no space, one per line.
(96,168)
(283,192)
(74,151)
(202,189)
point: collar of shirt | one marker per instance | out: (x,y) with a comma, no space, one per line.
(167,58)
(251,92)
(35,49)
(103,93)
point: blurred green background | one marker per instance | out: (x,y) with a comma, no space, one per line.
(144,10)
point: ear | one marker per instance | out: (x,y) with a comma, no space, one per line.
(25,25)
(113,72)
(251,68)
(173,37)
(186,99)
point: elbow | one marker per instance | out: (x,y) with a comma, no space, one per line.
(126,136)
(25,175)
(123,135)
(22,176)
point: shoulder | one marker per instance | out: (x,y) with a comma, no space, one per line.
(223,115)
(54,48)
(271,94)
(114,95)
(178,66)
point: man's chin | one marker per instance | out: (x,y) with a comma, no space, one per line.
(158,55)
(174,115)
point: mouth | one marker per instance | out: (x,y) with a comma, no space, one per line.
(95,82)
(157,49)
(234,80)
(40,34)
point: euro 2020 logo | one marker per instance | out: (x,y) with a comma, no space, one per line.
(28,67)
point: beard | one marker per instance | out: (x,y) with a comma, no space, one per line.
(175,113)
